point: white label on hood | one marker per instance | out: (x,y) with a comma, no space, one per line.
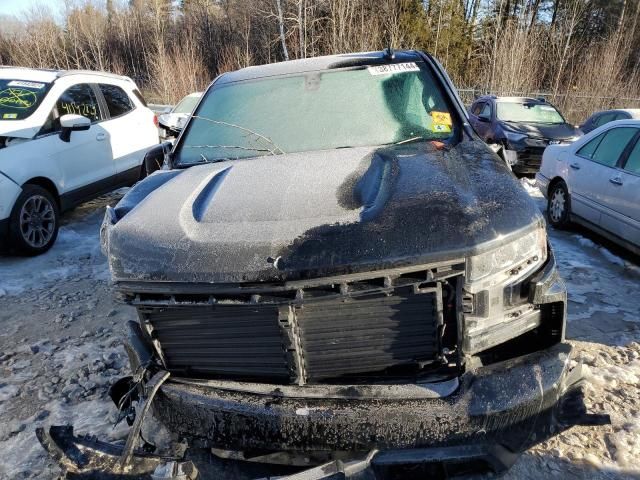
(393,68)
(20,83)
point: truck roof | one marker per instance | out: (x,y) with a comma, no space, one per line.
(327,62)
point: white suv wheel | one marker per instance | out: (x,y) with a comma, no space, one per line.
(33,227)
(37,221)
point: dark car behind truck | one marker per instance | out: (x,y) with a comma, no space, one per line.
(334,266)
(520,128)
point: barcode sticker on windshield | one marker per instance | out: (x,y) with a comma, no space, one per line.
(20,83)
(393,68)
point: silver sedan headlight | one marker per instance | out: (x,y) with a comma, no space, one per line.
(507,264)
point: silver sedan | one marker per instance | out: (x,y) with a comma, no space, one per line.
(596,182)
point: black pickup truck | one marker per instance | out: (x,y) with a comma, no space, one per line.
(332,268)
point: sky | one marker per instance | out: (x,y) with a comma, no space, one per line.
(16,7)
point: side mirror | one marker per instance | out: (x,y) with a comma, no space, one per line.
(157,156)
(484,118)
(72,123)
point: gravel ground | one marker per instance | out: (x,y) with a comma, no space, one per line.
(60,349)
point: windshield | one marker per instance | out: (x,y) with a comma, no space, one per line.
(20,98)
(317,111)
(528,113)
(187,104)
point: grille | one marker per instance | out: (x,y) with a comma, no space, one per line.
(531,157)
(307,342)
(231,341)
(367,335)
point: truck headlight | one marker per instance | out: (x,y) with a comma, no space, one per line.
(507,264)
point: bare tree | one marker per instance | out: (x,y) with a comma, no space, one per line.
(281,28)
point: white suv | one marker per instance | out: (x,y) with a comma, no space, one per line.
(65,137)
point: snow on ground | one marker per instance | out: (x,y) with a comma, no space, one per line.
(60,349)
(75,253)
(69,379)
(60,343)
(603,283)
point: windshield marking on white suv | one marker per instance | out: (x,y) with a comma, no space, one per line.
(17,98)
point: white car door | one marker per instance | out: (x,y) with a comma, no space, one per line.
(623,218)
(128,135)
(590,168)
(85,161)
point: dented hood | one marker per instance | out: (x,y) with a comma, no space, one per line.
(311,214)
(549,131)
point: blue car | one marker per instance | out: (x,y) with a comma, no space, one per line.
(520,128)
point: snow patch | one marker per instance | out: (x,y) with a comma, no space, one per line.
(529,185)
(76,252)
(608,255)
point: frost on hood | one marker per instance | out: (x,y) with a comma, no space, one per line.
(325,212)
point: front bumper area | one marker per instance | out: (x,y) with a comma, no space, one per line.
(542,183)
(524,159)
(9,192)
(4,234)
(497,412)
(513,404)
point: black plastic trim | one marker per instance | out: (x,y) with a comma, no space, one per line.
(75,197)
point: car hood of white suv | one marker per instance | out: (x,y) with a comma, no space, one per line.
(17,129)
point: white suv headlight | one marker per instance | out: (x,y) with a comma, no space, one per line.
(507,264)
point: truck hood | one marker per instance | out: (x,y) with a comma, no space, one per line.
(314,214)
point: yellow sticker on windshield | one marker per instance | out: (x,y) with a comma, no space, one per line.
(440,128)
(10,115)
(441,118)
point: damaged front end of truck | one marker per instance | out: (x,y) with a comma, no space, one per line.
(345,313)
(408,371)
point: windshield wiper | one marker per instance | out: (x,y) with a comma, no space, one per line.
(533,121)
(408,140)
(204,161)
(227,124)
(221,159)
(252,149)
